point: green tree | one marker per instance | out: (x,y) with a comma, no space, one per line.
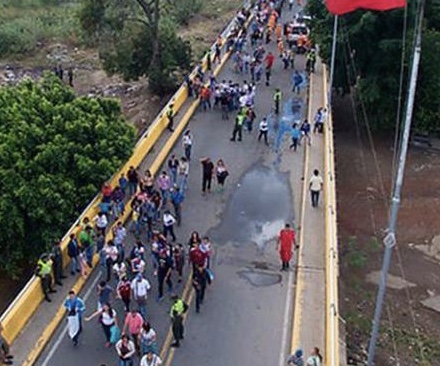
(135,40)
(56,149)
(369,55)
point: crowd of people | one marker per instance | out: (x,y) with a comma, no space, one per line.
(157,203)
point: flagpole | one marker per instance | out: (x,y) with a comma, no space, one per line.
(332,62)
(390,238)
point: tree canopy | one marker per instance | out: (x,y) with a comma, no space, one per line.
(369,55)
(139,38)
(56,150)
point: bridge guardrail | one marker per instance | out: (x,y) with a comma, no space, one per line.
(332,351)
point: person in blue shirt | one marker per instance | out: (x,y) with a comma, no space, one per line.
(295,133)
(297,81)
(305,129)
(177,197)
(75,308)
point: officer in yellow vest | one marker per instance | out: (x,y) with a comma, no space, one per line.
(277,100)
(170,116)
(238,127)
(178,308)
(44,271)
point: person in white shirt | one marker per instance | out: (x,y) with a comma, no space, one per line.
(315,186)
(315,358)
(101,222)
(139,288)
(187,142)
(150,359)
(168,225)
(183,172)
(125,349)
(263,130)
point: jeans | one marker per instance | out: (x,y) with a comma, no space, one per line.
(74,265)
(173,174)
(132,187)
(90,250)
(142,307)
(315,198)
(164,194)
(125,362)
(188,152)
(169,230)
(182,182)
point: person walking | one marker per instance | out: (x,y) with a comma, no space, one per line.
(125,348)
(277,100)
(44,271)
(168,225)
(316,185)
(148,339)
(315,358)
(164,275)
(108,319)
(305,131)
(132,326)
(270,59)
(173,165)
(123,291)
(207,170)
(177,198)
(199,284)
(104,291)
(87,243)
(263,130)
(222,173)
(5,352)
(179,260)
(57,260)
(286,241)
(296,359)
(164,184)
(150,359)
(238,126)
(140,287)
(70,76)
(178,308)
(73,253)
(183,173)
(75,308)
(170,117)
(187,142)
(295,134)
(133,180)
(297,81)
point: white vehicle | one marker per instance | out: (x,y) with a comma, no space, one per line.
(299,28)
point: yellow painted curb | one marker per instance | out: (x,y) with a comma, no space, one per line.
(297,314)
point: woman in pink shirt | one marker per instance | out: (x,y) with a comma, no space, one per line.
(133,323)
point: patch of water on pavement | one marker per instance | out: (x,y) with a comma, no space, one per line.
(260,279)
(257,210)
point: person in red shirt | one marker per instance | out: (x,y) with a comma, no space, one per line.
(286,241)
(197,257)
(270,59)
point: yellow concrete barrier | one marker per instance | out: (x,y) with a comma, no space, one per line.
(27,302)
(332,351)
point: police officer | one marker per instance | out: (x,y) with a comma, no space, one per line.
(238,127)
(277,100)
(178,308)
(170,116)
(57,259)
(44,271)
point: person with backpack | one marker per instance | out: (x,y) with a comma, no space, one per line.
(296,359)
(150,359)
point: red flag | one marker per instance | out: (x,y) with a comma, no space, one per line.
(345,6)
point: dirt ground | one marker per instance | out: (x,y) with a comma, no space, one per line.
(409,330)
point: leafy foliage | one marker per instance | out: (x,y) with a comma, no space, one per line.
(370,44)
(135,40)
(55,151)
(23,24)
